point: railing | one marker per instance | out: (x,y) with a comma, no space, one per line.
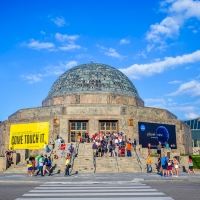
(196,150)
(74,156)
(138,159)
(116,160)
(94,162)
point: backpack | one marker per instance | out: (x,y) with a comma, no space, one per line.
(71,150)
(166,162)
(49,163)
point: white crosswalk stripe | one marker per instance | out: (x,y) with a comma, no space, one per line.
(94,191)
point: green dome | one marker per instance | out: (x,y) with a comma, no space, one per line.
(93,78)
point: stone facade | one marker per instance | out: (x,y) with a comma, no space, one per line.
(88,101)
(93,113)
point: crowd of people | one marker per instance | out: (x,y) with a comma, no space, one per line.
(113,144)
(165,166)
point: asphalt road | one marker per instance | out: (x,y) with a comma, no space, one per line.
(10,191)
(178,190)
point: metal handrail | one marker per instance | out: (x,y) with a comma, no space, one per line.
(116,160)
(94,162)
(195,150)
(74,156)
(138,159)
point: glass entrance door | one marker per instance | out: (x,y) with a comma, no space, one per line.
(78,128)
(108,126)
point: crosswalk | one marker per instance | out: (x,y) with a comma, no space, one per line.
(133,190)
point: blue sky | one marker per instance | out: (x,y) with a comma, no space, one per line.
(155,43)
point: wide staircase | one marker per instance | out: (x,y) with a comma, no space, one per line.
(85,162)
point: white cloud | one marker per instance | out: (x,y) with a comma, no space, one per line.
(192,88)
(34,44)
(32,78)
(192,115)
(79,56)
(184,108)
(59,21)
(158,67)
(195,31)
(142,54)
(64,37)
(69,47)
(110,52)
(149,47)
(160,100)
(156,103)
(174,82)
(50,70)
(124,41)
(42,32)
(59,69)
(197,102)
(179,11)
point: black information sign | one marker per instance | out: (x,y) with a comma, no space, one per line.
(152,133)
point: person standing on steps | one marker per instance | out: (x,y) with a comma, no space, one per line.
(134,144)
(53,145)
(159,148)
(128,149)
(63,150)
(149,168)
(67,164)
(95,148)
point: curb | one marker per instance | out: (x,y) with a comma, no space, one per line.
(70,181)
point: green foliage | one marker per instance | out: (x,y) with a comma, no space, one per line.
(32,156)
(154,155)
(196,161)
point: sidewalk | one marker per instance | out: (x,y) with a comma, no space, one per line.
(88,178)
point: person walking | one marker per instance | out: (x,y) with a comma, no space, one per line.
(45,168)
(67,164)
(40,164)
(190,164)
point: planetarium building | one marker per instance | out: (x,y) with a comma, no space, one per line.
(92,98)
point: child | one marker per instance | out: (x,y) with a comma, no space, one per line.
(30,168)
(190,163)
(169,168)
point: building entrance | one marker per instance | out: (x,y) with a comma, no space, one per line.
(108,126)
(78,128)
